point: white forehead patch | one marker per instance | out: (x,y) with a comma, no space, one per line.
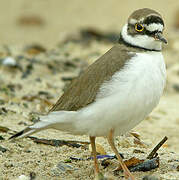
(132,21)
(141,20)
(154,27)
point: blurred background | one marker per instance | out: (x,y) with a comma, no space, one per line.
(44,44)
(47,21)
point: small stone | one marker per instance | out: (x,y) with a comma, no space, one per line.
(23,177)
(177,168)
(1,138)
(62,167)
(3,129)
(30,20)
(3,111)
(137,151)
(34,49)
(2,149)
(9,61)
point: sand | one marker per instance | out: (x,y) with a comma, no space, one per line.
(22,83)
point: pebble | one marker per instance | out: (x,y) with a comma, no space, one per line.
(1,138)
(3,111)
(23,177)
(138,151)
(177,168)
(62,167)
(2,149)
(9,61)
(34,49)
(30,20)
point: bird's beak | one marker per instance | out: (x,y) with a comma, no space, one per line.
(158,36)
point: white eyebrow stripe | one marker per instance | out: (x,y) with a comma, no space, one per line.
(132,21)
(154,27)
(141,20)
(153,14)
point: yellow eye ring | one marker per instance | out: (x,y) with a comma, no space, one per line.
(139,27)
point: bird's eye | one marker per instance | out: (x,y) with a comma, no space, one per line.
(139,27)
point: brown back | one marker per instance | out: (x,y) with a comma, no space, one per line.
(83,90)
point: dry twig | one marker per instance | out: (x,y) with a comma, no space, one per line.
(153,154)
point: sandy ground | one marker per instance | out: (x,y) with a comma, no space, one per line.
(21,85)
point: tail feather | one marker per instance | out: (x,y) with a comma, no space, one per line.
(24,133)
(62,120)
(31,130)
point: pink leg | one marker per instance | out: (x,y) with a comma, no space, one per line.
(92,140)
(127,173)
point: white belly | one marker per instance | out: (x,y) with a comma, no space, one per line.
(127,99)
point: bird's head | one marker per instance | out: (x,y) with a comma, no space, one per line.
(144,29)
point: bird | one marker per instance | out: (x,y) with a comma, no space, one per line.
(117,91)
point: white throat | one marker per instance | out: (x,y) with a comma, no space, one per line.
(143,41)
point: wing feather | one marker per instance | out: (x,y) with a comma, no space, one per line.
(83,90)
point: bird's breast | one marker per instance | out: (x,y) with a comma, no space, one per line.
(143,74)
(129,96)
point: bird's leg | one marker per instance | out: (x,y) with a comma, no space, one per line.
(92,140)
(127,173)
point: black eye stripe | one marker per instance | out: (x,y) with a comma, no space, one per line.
(144,32)
(150,33)
(153,19)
